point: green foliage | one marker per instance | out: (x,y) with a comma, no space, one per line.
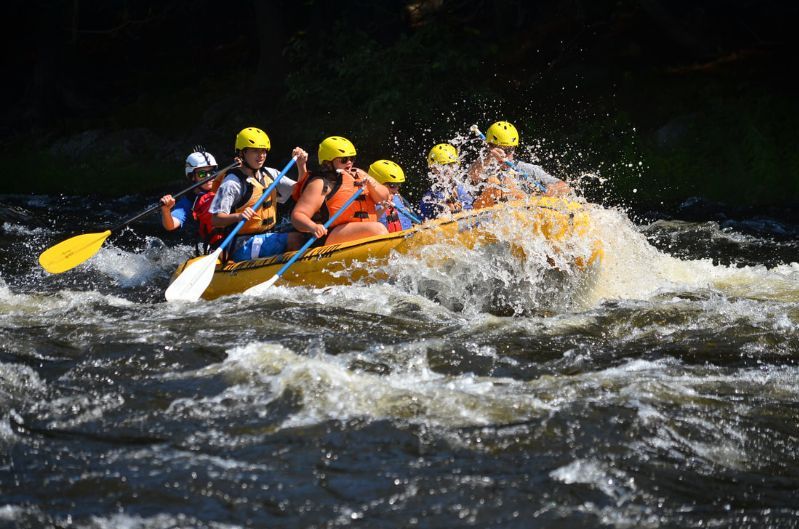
(591,87)
(732,150)
(112,176)
(354,82)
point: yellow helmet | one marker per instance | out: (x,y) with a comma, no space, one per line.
(335,147)
(252,138)
(386,171)
(503,134)
(442,154)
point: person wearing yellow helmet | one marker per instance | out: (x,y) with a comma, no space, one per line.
(324,192)
(243,187)
(500,177)
(446,195)
(394,213)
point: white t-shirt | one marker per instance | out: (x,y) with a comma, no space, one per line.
(230,191)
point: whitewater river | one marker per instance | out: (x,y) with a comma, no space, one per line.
(661,391)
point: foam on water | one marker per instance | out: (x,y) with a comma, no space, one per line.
(512,273)
(64,305)
(158,521)
(138,268)
(18,384)
(614,483)
(331,390)
(24,231)
(634,269)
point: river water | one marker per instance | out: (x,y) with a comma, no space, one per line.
(660,390)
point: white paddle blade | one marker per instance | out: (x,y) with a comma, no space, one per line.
(261,288)
(191,284)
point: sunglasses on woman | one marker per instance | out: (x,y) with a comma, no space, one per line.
(346,159)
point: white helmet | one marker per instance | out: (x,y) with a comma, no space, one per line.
(199,159)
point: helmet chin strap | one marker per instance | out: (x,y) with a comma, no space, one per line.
(246,163)
(254,169)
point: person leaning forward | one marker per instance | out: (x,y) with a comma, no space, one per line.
(323,193)
(242,188)
(500,175)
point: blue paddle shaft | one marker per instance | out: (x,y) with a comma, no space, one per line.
(260,201)
(310,241)
(408,214)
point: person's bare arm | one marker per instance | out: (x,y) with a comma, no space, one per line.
(309,203)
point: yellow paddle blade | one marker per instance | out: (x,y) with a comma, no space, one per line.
(72,252)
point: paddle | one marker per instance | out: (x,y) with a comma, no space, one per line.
(260,288)
(70,253)
(196,277)
(407,214)
(512,165)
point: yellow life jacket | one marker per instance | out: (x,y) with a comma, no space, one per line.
(265,217)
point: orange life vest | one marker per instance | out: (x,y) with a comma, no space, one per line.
(299,187)
(363,209)
(342,186)
(498,188)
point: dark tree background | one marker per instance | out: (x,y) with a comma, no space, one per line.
(662,99)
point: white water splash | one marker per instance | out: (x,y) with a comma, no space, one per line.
(138,268)
(634,269)
(331,390)
(25,231)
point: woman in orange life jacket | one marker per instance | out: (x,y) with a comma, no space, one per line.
(193,209)
(242,188)
(498,181)
(390,213)
(323,193)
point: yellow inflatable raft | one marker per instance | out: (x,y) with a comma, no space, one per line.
(555,219)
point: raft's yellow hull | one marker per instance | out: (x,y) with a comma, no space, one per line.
(552,218)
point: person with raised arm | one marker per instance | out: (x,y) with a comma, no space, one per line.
(242,188)
(500,177)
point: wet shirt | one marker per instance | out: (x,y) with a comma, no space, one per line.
(537,173)
(433,203)
(182,211)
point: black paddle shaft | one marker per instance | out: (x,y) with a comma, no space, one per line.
(176,195)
